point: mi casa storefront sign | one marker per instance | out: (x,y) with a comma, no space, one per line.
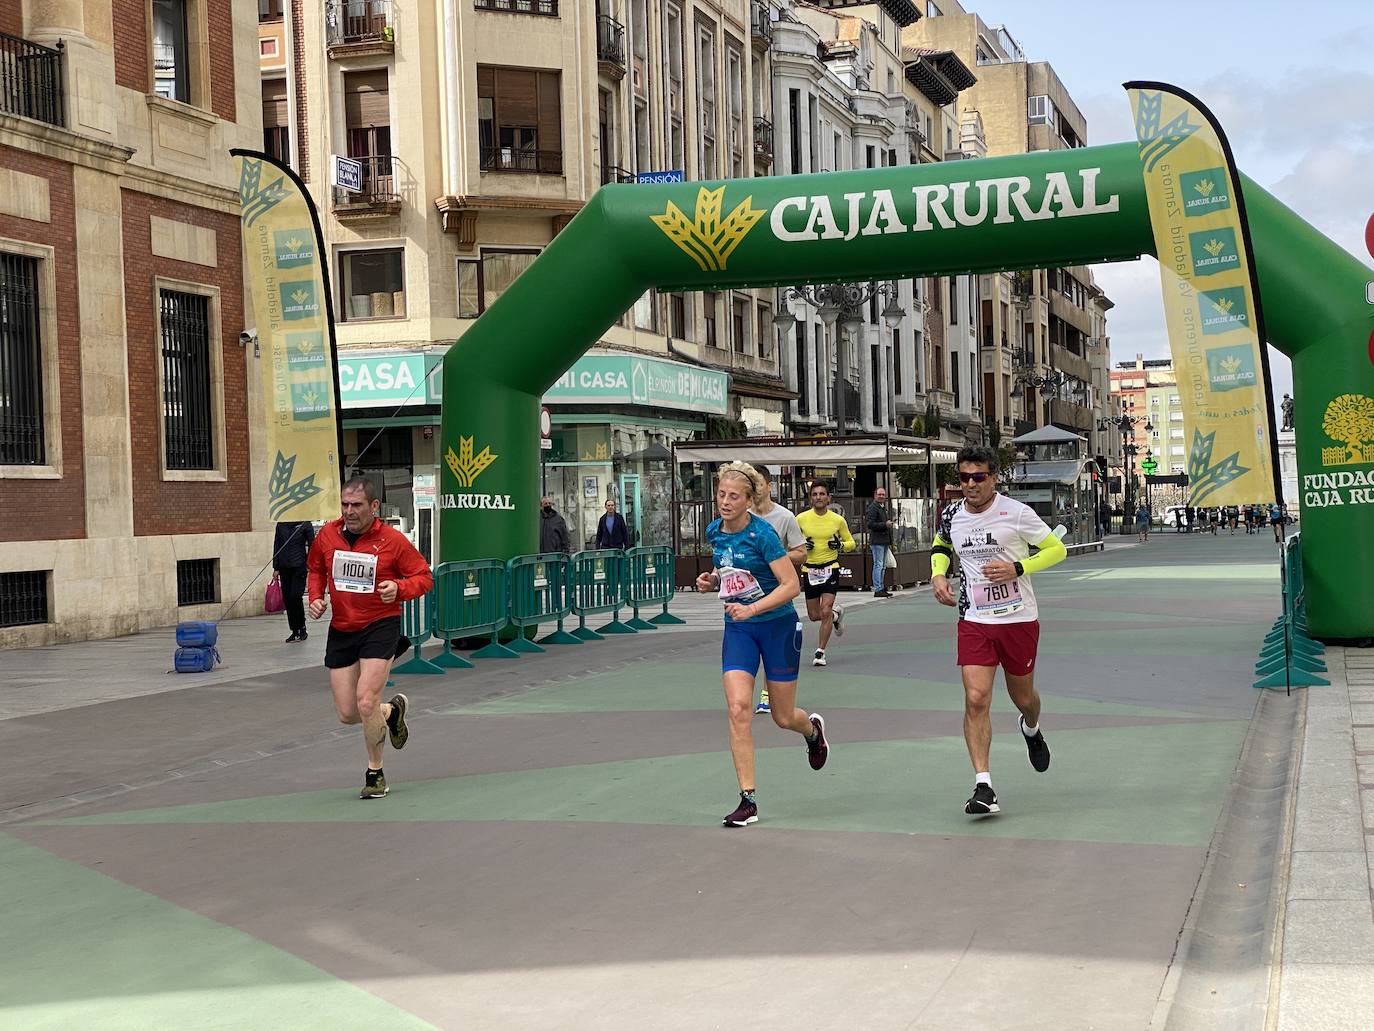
(614,379)
(401,378)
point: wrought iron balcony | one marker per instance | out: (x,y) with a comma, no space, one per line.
(380,196)
(517,159)
(610,46)
(763,140)
(31,80)
(544,7)
(616,174)
(359,26)
(760,25)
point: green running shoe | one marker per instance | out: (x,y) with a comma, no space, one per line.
(396,722)
(374,785)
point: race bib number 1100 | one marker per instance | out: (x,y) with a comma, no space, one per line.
(355,572)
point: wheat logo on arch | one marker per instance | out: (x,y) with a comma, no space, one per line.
(707,238)
(465,465)
(1349,419)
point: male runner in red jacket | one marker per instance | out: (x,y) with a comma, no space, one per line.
(369,568)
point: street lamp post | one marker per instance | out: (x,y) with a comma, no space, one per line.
(1048,384)
(840,306)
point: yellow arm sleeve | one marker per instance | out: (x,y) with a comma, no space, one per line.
(1051,553)
(940,555)
(846,538)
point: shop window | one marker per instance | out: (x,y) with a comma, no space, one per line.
(373,284)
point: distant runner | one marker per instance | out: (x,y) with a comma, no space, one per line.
(757,582)
(998,619)
(784,524)
(826,535)
(369,568)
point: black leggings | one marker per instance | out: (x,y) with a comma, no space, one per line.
(292,589)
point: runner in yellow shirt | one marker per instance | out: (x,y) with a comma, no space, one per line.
(826,535)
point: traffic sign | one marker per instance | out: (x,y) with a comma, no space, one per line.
(545,430)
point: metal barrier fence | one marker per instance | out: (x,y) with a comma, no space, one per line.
(598,585)
(649,580)
(485,597)
(1289,658)
(538,588)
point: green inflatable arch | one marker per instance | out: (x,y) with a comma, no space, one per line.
(1069,207)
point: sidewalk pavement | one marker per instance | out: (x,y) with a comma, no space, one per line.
(1326,979)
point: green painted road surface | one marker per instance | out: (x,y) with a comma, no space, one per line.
(551,856)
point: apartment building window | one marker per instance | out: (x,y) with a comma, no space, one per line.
(677,316)
(373,284)
(673,43)
(519,120)
(953,300)
(605,121)
(646,311)
(803,406)
(276,127)
(171,50)
(270,10)
(938,373)
(22,430)
(1038,110)
(739,326)
(188,424)
(896,361)
(875,380)
(734,85)
(765,332)
(706,102)
(482,281)
(710,311)
(367,115)
(813,108)
(837,158)
(794,129)
(954,380)
(869,156)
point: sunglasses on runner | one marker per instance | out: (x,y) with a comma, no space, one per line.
(973,477)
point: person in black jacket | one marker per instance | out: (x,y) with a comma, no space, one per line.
(879,522)
(289,552)
(611,531)
(553,529)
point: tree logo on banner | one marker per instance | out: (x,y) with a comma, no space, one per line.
(706,238)
(284,495)
(1206,476)
(256,199)
(1349,419)
(465,465)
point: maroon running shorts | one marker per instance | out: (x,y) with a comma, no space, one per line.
(1009,645)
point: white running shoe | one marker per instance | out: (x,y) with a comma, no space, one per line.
(819,658)
(839,621)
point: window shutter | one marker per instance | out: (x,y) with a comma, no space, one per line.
(366,99)
(274,104)
(550,125)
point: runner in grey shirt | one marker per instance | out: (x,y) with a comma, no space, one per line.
(785,525)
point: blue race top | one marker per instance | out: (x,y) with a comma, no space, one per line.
(751,549)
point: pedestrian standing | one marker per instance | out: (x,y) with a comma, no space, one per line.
(290,548)
(784,524)
(611,531)
(757,582)
(553,529)
(880,540)
(368,568)
(1142,522)
(999,621)
(1190,513)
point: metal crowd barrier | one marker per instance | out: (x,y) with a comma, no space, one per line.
(538,587)
(1289,657)
(472,602)
(649,580)
(417,623)
(598,585)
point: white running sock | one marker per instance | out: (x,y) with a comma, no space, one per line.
(983,778)
(1027,729)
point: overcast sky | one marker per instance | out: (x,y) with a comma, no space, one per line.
(1291,83)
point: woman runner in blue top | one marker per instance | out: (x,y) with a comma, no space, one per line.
(757,582)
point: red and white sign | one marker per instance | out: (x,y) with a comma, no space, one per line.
(545,429)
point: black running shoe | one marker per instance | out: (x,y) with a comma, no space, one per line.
(374,785)
(396,722)
(817,748)
(983,802)
(745,813)
(1039,751)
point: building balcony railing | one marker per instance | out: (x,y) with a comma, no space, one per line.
(610,46)
(548,8)
(359,26)
(31,80)
(763,140)
(616,174)
(515,159)
(380,196)
(760,25)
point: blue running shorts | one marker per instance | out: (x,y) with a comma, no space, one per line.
(777,642)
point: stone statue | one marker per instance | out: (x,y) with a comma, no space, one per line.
(1286,406)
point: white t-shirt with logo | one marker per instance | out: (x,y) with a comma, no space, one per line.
(784,523)
(1005,530)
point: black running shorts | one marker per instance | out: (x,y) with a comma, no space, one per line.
(379,640)
(829,586)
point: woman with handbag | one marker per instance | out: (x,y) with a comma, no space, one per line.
(289,552)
